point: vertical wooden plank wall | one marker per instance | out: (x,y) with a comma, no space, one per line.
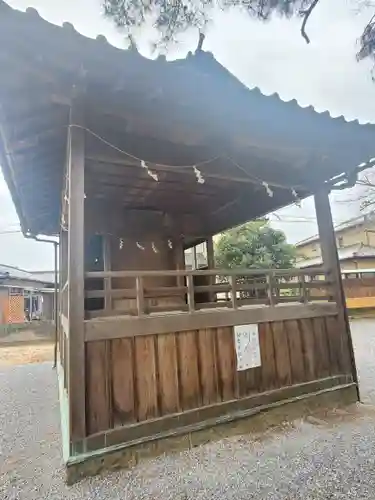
(134,380)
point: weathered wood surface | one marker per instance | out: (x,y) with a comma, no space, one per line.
(137,379)
(359,287)
(127,326)
(204,289)
(75,275)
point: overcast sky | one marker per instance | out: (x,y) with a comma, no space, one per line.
(272,56)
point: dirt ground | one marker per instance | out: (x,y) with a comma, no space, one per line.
(25,353)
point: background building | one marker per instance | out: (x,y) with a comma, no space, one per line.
(25,295)
(355,241)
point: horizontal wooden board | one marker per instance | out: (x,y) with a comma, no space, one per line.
(120,326)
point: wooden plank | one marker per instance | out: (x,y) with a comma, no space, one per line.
(334,345)
(248,381)
(210,416)
(295,351)
(267,353)
(98,387)
(168,383)
(123,393)
(282,358)
(190,391)
(145,370)
(208,365)
(119,327)
(130,293)
(76,302)
(308,348)
(203,272)
(321,348)
(227,364)
(341,340)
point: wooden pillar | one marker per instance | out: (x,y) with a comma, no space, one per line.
(107,266)
(211,264)
(210,253)
(178,249)
(331,262)
(76,304)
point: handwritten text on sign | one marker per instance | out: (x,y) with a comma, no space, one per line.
(246,338)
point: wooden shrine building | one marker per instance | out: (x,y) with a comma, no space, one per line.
(131,161)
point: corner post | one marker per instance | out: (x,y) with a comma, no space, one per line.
(76,288)
(331,262)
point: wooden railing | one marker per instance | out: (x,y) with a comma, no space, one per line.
(146,292)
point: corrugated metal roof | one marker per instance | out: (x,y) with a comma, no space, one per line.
(273,140)
(355,221)
(34,17)
(14,272)
(43,276)
(11,272)
(357,251)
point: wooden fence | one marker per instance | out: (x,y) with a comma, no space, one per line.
(224,288)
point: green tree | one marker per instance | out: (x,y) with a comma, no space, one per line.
(254,245)
(172,18)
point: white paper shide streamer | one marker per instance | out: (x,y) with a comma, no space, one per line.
(268,189)
(153,175)
(198,175)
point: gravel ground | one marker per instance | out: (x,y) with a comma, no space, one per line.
(313,459)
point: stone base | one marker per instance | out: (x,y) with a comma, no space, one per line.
(128,455)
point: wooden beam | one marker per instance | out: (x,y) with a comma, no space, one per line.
(129,163)
(331,262)
(116,173)
(76,166)
(116,327)
(225,272)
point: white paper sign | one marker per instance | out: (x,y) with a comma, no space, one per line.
(246,338)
